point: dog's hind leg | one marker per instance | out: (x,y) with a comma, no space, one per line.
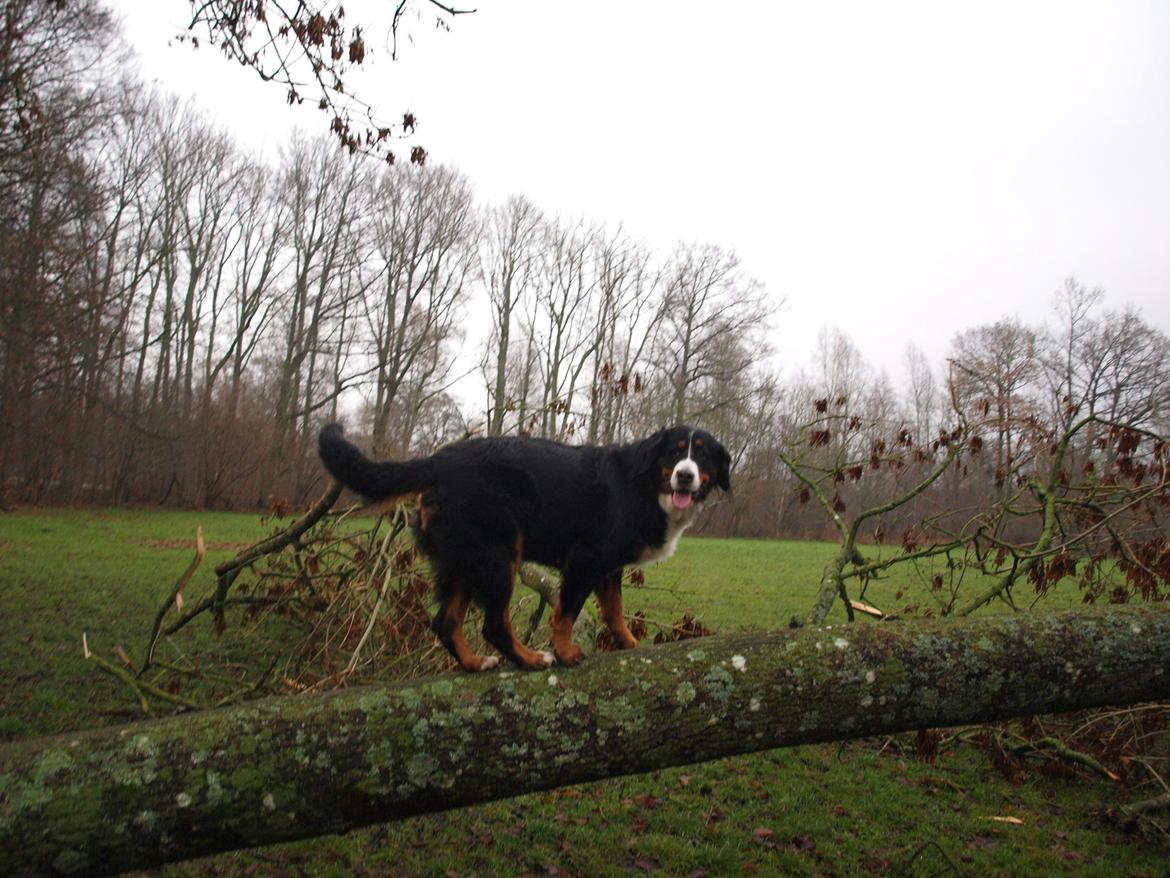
(448,625)
(609,599)
(499,580)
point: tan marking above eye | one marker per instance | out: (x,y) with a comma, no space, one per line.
(698,443)
(682,443)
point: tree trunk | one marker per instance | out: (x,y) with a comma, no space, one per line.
(280,769)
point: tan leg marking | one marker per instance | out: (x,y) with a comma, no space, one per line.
(529,659)
(568,653)
(609,599)
(468,658)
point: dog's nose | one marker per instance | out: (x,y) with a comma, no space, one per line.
(684,477)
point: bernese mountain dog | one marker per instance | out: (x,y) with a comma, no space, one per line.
(487,504)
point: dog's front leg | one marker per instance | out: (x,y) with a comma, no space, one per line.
(576,584)
(609,599)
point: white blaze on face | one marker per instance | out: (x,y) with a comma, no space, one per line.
(683,488)
(680,508)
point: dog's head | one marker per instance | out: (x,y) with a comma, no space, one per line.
(687,465)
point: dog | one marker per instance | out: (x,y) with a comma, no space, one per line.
(487,504)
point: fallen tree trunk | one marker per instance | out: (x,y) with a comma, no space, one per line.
(288,768)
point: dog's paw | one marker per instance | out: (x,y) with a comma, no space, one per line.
(487,662)
(570,656)
(546,658)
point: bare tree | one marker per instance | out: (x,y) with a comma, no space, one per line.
(922,392)
(422,229)
(321,191)
(713,324)
(54,108)
(1113,364)
(997,367)
(260,258)
(508,253)
(628,315)
(559,325)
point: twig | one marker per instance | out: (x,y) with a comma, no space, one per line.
(174,599)
(251,689)
(139,687)
(227,572)
(1137,815)
(391,533)
(112,669)
(867,609)
(1060,749)
(534,621)
(545,588)
(1158,803)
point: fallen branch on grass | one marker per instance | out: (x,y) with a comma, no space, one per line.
(1022,747)
(1140,816)
(280,769)
(174,599)
(227,572)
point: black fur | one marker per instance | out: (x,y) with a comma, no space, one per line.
(487,504)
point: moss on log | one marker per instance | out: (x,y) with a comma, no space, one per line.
(121,798)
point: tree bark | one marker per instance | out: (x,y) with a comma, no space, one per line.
(286,768)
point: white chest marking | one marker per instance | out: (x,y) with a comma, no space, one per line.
(677,520)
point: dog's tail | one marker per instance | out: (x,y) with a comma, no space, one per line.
(374,481)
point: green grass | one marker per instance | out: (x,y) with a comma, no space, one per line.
(762,584)
(858,808)
(102,573)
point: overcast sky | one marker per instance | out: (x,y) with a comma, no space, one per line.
(899,170)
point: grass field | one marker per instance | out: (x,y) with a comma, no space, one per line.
(860,808)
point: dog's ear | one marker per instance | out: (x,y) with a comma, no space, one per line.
(646,454)
(722,467)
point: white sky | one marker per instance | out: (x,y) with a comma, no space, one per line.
(899,170)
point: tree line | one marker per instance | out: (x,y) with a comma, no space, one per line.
(178,317)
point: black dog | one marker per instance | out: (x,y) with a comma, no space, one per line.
(485,505)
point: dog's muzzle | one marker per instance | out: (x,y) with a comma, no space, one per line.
(684,482)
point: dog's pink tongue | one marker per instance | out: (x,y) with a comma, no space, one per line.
(681,499)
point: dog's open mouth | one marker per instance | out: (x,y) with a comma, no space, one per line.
(681,499)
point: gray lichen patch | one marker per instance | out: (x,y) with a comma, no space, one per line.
(719,683)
